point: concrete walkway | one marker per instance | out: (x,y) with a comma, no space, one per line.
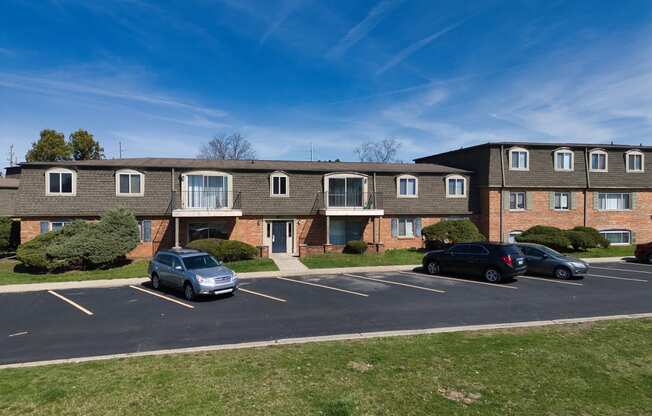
(287,263)
(35,287)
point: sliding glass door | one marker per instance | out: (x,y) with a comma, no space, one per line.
(207,192)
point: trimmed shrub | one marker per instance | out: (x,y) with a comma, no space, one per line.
(232,250)
(542,230)
(6,225)
(599,240)
(580,240)
(208,245)
(355,247)
(449,232)
(82,245)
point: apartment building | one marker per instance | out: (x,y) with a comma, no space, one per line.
(278,206)
(518,185)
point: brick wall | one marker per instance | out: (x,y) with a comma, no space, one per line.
(390,242)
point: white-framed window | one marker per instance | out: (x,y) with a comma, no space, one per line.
(614,201)
(455,186)
(406,227)
(346,190)
(129,183)
(207,190)
(519,159)
(635,161)
(56,225)
(517,201)
(279,185)
(564,160)
(561,201)
(617,237)
(60,181)
(407,186)
(511,237)
(145,227)
(599,161)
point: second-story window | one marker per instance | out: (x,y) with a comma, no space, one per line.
(563,160)
(519,159)
(599,161)
(130,183)
(407,186)
(455,186)
(60,181)
(279,184)
(634,161)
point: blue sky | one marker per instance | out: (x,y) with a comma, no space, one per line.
(164,77)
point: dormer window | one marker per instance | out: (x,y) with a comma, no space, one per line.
(129,183)
(279,184)
(519,159)
(599,161)
(564,160)
(455,186)
(60,181)
(635,161)
(407,186)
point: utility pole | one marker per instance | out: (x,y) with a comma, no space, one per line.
(120,150)
(12,156)
(311,152)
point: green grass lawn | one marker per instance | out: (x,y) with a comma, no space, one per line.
(389,257)
(12,273)
(612,251)
(584,369)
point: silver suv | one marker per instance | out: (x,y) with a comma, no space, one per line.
(196,272)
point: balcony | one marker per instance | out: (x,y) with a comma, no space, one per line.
(351,203)
(206,203)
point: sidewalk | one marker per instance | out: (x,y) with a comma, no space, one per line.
(85,284)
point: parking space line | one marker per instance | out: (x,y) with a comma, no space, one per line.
(162,296)
(620,270)
(461,280)
(261,294)
(618,278)
(324,287)
(395,283)
(70,302)
(552,281)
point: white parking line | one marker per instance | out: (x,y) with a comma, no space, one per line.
(462,280)
(65,299)
(618,278)
(324,287)
(620,270)
(395,283)
(551,281)
(17,334)
(261,294)
(162,296)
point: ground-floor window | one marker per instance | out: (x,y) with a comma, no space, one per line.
(562,201)
(406,227)
(512,236)
(342,231)
(614,201)
(517,201)
(214,229)
(46,226)
(617,237)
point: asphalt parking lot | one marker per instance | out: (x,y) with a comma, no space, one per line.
(87,322)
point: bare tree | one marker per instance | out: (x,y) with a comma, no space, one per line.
(227,147)
(384,151)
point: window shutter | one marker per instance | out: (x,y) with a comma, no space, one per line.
(573,200)
(394,227)
(551,195)
(147,230)
(44,227)
(596,201)
(529,200)
(633,200)
(506,200)
(417,227)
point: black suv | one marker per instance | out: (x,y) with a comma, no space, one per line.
(493,261)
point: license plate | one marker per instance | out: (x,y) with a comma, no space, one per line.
(519,262)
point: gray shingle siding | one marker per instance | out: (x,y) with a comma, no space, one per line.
(541,170)
(7,199)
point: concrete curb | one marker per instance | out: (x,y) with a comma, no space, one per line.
(330,338)
(106,283)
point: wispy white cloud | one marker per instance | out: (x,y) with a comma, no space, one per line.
(278,21)
(362,29)
(405,53)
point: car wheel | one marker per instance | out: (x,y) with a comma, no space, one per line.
(492,275)
(156,282)
(188,292)
(562,273)
(432,267)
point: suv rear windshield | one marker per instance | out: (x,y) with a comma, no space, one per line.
(512,249)
(200,262)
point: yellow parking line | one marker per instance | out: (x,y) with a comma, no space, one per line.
(162,296)
(262,294)
(618,278)
(324,287)
(552,281)
(462,280)
(65,299)
(620,270)
(395,283)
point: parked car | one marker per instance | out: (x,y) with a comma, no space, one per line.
(193,271)
(546,261)
(493,261)
(644,252)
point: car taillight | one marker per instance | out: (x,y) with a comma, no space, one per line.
(507,260)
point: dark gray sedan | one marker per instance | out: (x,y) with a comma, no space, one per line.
(546,261)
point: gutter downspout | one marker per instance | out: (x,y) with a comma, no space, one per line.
(588,185)
(502,191)
(375,227)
